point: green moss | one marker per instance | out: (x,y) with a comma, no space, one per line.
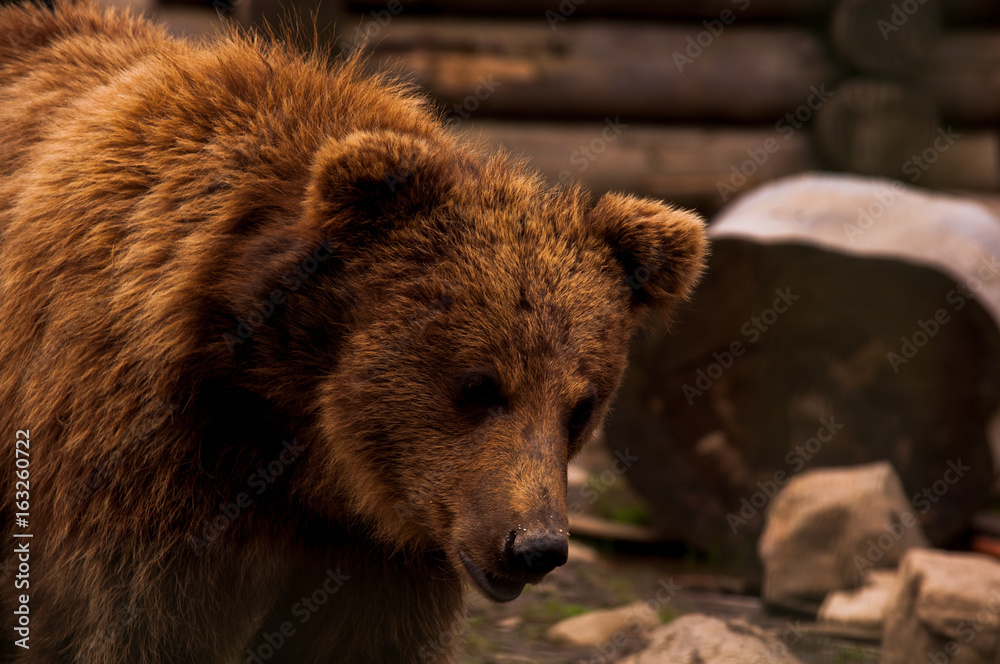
(848,655)
(623,589)
(618,502)
(555,610)
(635,514)
(666,614)
(476,644)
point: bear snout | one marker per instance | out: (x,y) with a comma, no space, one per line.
(534,552)
(525,556)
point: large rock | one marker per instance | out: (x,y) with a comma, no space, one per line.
(828,527)
(945,609)
(842,321)
(708,640)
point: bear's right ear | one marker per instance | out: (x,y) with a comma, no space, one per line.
(660,249)
(368,179)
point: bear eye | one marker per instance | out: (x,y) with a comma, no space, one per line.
(480,394)
(580,416)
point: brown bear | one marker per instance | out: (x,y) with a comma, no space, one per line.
(283,363)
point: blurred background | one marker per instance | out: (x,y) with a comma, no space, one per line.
(804,467)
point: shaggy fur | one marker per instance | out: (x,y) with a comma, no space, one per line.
(230,272)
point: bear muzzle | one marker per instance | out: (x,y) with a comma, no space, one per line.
(528,555)
(536,552)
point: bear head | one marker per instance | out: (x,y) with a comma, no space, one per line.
(479,322)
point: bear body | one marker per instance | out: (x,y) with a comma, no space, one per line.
(292,364)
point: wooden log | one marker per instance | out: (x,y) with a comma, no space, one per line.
(873,126)
(190,21)
(972,10)
(788,10)
(673,72)
(589,70)
(883,128)
(885,36)
(312,22)
(963,77)
(971,165)
(671,9)
(648,72)
(583,525)
(705,167)
(697,166)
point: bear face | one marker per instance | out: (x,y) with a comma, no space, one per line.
(487,331)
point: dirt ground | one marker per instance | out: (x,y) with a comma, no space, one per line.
(514,632)
(603,573)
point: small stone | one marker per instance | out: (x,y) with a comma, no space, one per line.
(597,627)
(862,610)
(708,640)
(945,607)
(509,623)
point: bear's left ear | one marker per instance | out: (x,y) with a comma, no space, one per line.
(661,249)
(368,179)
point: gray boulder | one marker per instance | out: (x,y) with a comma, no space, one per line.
(828,527)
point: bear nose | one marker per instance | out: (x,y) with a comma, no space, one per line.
(536,552)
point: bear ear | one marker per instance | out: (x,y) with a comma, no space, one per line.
(370,179)
(661,249)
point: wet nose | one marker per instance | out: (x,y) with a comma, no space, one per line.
(537,551)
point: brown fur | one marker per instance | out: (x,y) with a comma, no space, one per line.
(154,194)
